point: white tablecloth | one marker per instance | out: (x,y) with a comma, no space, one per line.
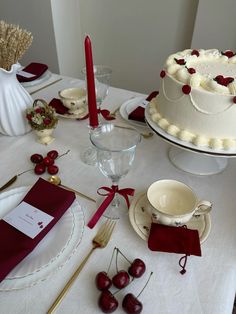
(209,285)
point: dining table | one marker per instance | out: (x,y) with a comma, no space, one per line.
(209,284)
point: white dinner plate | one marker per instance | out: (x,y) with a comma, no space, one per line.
(141,220)
(44,77)
(52,252)
(128,106)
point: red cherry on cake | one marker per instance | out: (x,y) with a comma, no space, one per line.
(195,53)
(234,100)
(163,74)
(39,168)
(36,158)
(107,302)
(48,161)
(137,268)
(103,282)
(186,89)
(228,53)
(53,154)
(131,305)
(121,279)
(191,70)
(52,169)
(180,61)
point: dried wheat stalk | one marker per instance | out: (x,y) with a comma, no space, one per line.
(14,42)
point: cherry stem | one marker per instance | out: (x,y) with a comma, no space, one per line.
(19,174)
(63,154)
(117,251)
(111,260)
(145,285)
(123,256)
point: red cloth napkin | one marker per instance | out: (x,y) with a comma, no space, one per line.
(58,106)
(34,68)
(14,245)
(138,113)
(61,109)
(170,239)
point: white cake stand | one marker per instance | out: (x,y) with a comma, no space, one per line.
(190,158)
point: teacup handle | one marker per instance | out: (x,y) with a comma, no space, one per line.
(203,207)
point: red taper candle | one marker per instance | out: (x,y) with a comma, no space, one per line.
(91,93)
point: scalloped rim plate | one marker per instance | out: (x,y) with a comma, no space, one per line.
(141,220)
(52,252)
(131,104)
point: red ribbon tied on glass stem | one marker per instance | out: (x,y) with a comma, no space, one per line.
(109,192)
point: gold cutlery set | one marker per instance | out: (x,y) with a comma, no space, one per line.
(99,241)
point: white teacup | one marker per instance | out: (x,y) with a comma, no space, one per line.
(174,203)
(74,99)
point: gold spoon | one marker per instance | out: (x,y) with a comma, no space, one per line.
(57,181)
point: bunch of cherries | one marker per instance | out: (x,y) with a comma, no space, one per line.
(43,163)
(107,301)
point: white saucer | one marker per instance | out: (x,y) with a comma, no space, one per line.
(44,77)
(79,116)
(141,220)
(128,106)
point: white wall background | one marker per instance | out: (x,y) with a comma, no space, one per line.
(134,37)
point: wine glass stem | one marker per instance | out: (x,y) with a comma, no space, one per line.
(116,201)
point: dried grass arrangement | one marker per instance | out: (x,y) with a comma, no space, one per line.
(14,42)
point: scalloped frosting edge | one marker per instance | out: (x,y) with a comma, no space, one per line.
(184,135)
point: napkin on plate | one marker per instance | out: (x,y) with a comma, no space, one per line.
(138,113)
(172,239)
(35,68)
(15,245)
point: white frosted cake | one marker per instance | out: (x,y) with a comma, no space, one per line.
(197,98)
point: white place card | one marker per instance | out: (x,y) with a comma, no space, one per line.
(28,219)
(25,74)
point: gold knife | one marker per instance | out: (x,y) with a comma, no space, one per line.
(10,182)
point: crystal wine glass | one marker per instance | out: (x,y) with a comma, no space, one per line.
(115,155)
(102,76)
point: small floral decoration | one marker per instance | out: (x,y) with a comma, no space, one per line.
(41,116)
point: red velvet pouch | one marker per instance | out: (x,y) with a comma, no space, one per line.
(35,68)
(15,245)
(172,239)
(138,113)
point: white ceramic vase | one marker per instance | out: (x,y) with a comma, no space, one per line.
(14,100)
(44,136)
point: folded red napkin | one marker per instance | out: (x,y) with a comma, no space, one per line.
(34,68)
(174,240)
(58,106)
(15,245)
(138,113)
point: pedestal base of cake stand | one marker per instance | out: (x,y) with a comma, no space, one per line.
(196,163)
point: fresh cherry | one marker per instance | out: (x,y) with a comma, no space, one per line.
(48,161)
(52,169)
(131,304)
(121,279)
(53,154)
(36,158)
(107,302)
(103,282)
(137,268)
(39,168)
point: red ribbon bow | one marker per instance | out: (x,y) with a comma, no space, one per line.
(110,194)
(106,114)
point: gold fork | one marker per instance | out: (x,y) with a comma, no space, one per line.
(99,241)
